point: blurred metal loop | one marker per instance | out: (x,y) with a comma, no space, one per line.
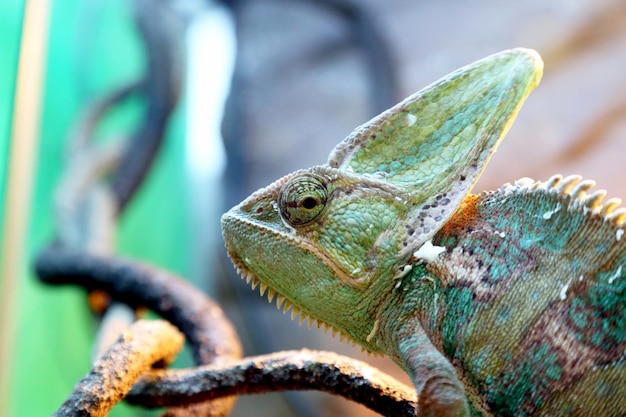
(378,60)
(211,336)
(88,203)
(161,86)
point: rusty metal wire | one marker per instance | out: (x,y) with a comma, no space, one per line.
(143,345)
(210,335)
(287,370)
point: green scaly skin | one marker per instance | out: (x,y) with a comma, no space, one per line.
(509,303)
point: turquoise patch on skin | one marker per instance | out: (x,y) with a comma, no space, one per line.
(526,243)
(504,315)
(599,317)
(578,314)
(395,166)
(460,305)
(525,385)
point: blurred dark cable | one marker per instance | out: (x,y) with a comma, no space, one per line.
(209,333)
(161,87)
(378,60)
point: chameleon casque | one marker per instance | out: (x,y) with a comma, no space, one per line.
(505,303)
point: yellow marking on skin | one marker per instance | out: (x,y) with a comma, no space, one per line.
(370,336)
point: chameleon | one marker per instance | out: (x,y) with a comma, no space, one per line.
(504,303)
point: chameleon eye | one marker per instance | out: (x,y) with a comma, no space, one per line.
(302,199)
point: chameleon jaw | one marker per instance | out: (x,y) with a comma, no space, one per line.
(286,304)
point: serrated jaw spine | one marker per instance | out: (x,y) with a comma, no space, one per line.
(286,305)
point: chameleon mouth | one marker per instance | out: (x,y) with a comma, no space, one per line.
(286,304)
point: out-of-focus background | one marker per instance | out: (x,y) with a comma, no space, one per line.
(300,75)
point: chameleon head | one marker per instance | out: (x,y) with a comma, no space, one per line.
(320,238)
(331,239)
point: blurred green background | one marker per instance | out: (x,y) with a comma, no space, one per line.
(55,330)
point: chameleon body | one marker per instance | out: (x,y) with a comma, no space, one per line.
(506,303)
